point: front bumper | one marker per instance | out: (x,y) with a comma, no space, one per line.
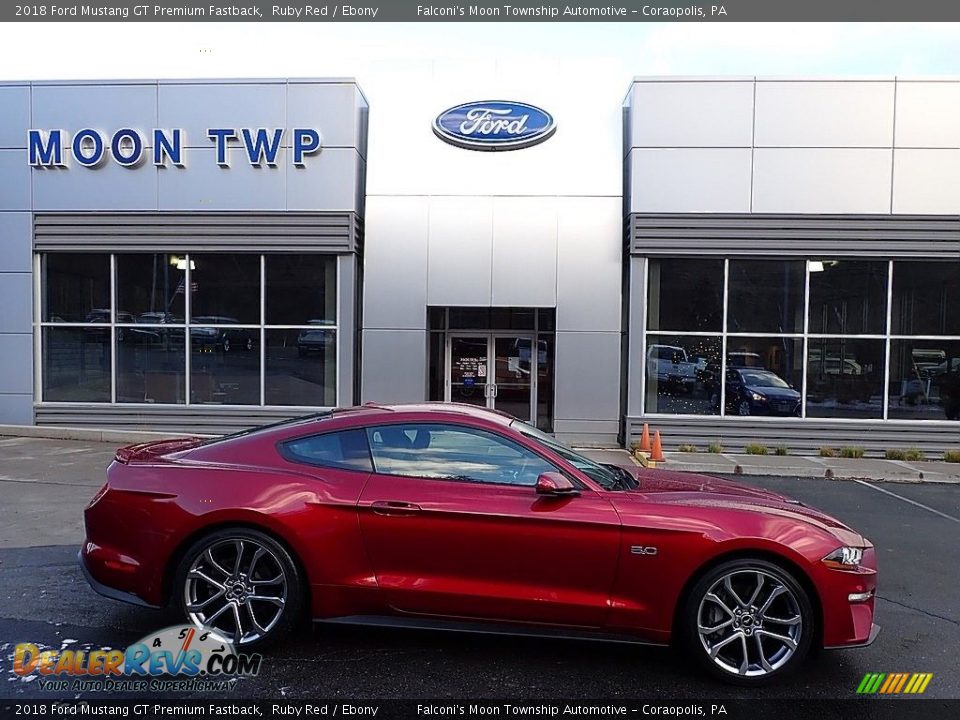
(874,631)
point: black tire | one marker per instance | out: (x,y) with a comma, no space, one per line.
(801,634)
(276,559)
(744,409)
(226,344)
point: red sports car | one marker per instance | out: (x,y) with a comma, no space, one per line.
(449,516)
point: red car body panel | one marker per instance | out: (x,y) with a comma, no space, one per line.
(374,544)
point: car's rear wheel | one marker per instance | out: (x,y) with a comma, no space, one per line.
(748,621)
(242,585)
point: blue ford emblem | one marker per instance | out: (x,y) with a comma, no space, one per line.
(494,125)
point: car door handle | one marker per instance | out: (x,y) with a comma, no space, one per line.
(392,507)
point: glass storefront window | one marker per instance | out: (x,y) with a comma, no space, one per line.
(151,365)
(301,290)
(225,289)
(301,367)
(764,376)
(845,378)
(76,364)
(223,371)
(682,374)
(685,294)
(75,288)
(766,296)
(926,298)
(151,335)
(848,297)
(924,380)
(150,288)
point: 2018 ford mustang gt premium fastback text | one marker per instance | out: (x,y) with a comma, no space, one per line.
(452,516)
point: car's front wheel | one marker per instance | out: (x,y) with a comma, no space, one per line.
(748,621)
(242,585)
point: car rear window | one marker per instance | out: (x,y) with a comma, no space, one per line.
(346,449)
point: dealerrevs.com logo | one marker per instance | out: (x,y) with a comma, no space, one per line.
(178,658)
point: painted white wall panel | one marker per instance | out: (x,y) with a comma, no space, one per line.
(460,251)
(197,107)
(16,239)
(926,181)
(690,180)
(589,263)
(818,180)
(108,186)
(587,376)
(394,366)
(928,114)
(824,114)
(15,117)
(106,108)
(395,264)
(692,114)
(525,251)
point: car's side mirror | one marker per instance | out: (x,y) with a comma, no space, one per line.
(554,484)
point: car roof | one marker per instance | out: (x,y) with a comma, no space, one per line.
(447,408)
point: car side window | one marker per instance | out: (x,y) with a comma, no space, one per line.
(453,452)
(346,449)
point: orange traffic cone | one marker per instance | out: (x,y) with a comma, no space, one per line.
(644,439)
(656,455)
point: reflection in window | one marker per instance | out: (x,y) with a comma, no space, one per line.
(150,288)
(924,380)
(301,367)
(766,296)
(76,364)
(845,378)
(301,289)
(685,294)
(76,287)
(223,370)
(225,288)
(764,376)
(926,298)
(682,374)
(151,365)
(848,297)
(448,452)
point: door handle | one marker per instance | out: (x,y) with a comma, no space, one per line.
(392,507)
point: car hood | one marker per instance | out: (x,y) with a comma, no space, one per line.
(775,392)
(671,487)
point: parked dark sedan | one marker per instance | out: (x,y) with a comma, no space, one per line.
(753,391)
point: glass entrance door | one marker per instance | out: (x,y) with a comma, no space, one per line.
(515,372)
(494,371)
(467,379)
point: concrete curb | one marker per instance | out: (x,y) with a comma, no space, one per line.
(89,434)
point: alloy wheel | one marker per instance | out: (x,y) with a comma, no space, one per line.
(750,623)
(237,588)
(744,408)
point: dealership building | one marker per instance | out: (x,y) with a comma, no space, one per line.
(729,259)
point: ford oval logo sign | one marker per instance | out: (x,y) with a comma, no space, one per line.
(494,125)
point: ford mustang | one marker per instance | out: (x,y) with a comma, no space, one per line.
(450,516)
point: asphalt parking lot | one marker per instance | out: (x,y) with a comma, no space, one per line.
(44,485)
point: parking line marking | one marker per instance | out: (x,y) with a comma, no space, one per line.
(907,500)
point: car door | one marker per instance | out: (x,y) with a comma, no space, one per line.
(455,528)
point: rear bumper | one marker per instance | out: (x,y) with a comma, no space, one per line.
(106,590)
(874,631)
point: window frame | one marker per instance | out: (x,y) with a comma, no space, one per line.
(465,427)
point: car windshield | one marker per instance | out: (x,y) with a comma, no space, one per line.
(763,379)
(605,477)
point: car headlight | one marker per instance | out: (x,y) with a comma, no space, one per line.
(844,558)
(758,397)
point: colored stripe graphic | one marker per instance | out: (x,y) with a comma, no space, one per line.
(894,683)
